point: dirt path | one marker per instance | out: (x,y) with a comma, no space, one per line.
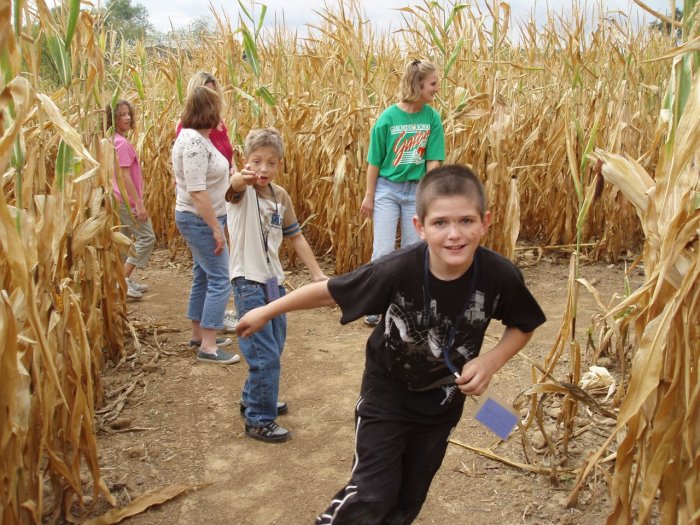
(191,430)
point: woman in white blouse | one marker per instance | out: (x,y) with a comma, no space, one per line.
(202,178)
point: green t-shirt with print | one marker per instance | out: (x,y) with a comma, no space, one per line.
(401,142)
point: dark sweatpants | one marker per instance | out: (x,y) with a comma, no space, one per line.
(395,462)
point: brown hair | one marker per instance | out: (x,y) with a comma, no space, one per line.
(259,138)
(412,80)
(202,109)
(448,181)
(111,113)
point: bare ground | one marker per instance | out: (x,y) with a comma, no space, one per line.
(180,422)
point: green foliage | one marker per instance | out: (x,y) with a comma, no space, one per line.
(60,58)
(128,19)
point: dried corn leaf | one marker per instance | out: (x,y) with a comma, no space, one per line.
(140,504)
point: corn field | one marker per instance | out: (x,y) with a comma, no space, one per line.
(541,117)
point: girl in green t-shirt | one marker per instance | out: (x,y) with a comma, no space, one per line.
(406,141)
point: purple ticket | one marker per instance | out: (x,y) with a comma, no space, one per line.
(498,418)
(272,289)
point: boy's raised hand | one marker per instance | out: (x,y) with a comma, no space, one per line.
(248,175)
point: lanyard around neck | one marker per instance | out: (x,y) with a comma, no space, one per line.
(449,341)
(265,235)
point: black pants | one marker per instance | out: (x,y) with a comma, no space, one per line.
(395,462)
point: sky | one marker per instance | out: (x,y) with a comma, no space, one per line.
(382,13)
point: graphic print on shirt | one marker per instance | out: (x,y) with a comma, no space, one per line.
(414,337)
(270,215)
(409,146)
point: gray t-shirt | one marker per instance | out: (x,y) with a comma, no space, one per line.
(198,166)
(259,217)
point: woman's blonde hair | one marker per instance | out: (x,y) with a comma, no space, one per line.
(412,80)
(202,109)
(201,78)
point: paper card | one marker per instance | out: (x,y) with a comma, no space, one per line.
(272,289)
(498,417)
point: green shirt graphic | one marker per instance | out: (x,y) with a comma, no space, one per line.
(401,142)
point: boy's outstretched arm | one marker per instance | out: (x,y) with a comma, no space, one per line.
(306,254)
(310,296)
(477,373)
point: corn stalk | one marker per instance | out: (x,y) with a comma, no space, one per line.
(659,420)
(62,299)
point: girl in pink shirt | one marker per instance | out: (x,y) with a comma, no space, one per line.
(132,212)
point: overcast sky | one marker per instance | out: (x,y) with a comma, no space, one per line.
(382,13)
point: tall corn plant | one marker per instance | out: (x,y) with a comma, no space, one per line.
(501,107)
(61,304)
(659,421)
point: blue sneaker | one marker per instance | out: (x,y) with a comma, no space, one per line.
(220,357)
(220,341)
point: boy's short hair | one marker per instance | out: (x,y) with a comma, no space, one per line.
(413,76)
(111,112)
(202,109)
(448,181)
(261,137)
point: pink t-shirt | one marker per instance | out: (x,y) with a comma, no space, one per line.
(126,156)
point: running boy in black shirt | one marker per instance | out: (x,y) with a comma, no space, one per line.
(437,298)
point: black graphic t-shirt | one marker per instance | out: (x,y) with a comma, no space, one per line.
(405,369)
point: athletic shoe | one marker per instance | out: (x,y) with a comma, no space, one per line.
(230,321)
(221,357)
(132,292)
(139,287)
(220,341)
(282,408)
(270,432)
(372,320)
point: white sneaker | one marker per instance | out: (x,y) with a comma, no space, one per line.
(132,292)
(230,321)
(139,287)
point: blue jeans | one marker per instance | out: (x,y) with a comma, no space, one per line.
(211,287)
(262,352)
(393,201)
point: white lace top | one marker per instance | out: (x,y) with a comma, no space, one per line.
(198,166)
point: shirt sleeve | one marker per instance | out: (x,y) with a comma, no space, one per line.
(364,291)
(290,223)
(516,306)
(435,149)
(377,144)
(195,162)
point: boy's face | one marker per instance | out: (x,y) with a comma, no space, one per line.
(265,162)
(452,227)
